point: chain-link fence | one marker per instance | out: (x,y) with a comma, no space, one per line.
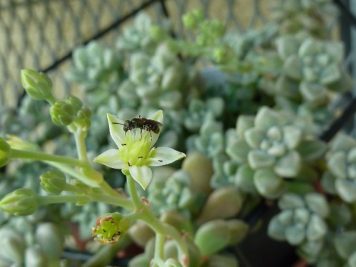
(42,34)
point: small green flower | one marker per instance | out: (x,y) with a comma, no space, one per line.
(109,228)
(135,152)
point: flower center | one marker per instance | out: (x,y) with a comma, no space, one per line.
(136,148)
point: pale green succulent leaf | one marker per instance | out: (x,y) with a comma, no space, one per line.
(289,165)
(260,159)
(346,189)
(317,203)
(268,183)
(295,234)
(265,118)
(243,123)
(290,201)
(316,229)
(345,243)
(238,151)
(311,149)
(244,179)
(293,67)
(330,74)
(337,164)
(254,137)
(292,136)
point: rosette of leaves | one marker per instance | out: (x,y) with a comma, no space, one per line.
(301,221)
(312,70)
(140,35)
(269,147)
(173,193)
(199,110)
(41,246)
(312,16)
(155,81)
(341,162)
(96,67)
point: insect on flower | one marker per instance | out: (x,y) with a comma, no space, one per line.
(141,123)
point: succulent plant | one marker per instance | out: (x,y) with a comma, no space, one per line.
(301,221)
(341,162)
(312,16)
(138,36)
(96,67)
(173,193)
(199,110)
(312,69)
(269,147)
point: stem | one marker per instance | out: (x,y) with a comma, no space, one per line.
(112,197)
(162,230)
(133,192)
(54,199)
(106,253)
(79,137)
(40,156)
(159,243)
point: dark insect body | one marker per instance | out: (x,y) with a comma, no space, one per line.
(141,123)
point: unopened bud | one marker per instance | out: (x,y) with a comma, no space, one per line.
(20,202)
(62,113)
(109,228)
(53,181)
(4,152)
(83,118)
(36,84)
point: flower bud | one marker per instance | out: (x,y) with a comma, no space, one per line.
(83,118)
(109,228)
(74,102)
(141,233)
(223,203)
(4,152)
(36,84)
(53,181)
(20,202)
(62,113)
(212,236)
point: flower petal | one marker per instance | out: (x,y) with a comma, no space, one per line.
(157,116)
(111,159)
(165,155)
(116,129)
(142,175)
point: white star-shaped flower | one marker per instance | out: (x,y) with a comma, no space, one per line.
(135,152)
